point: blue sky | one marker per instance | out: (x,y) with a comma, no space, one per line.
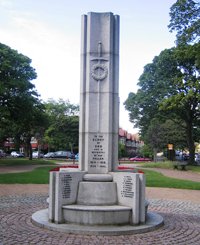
(49,31)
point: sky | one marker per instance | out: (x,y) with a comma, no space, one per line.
(49,33)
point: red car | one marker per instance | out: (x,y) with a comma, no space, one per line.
(140,159)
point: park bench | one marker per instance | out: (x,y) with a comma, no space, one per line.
(182,165)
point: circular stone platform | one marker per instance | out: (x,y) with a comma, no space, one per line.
(154,221)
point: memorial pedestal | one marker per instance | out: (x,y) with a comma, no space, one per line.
(94,199)
(113,207)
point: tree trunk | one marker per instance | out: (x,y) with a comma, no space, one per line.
(155,154)
(29,147)
(191,143)
(30,151)
(17,142)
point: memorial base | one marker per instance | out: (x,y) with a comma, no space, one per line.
(153,222)
(79,201)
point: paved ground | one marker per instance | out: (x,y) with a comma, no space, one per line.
(180,209)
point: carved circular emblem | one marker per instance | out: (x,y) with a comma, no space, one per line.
(99,72)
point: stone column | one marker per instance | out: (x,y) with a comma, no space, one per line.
(99,99)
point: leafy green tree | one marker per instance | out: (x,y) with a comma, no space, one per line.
(63,130)
(155,83)
(169,89)
(122,150)
(154,137)
(146,151)
(185,21)
(15,76)
(185,101)
(159,135)
(174,133)
(20,108)
(35,124)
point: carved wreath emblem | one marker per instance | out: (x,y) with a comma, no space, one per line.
(99,72)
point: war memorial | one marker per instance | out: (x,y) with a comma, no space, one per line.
(97,198)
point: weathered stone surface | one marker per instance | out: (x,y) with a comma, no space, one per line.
(98,177)
(97,193)
(99,99)
(66,189)
(97,215)
(128,192)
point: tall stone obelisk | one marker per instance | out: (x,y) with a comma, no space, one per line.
(96,199)
(99,96)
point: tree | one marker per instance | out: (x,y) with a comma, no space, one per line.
(35,124)
(155,83)
(174,133)
(146,151)
(185,101)
(159,135)
(63,130)
(15,76)
(20,107)
(154,137)
(122,150)
(169,89)
(185,21)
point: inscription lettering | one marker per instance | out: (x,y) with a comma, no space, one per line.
(97,158)
(66,186)
(127,187)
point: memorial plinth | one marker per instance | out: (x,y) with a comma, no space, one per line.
(96,195)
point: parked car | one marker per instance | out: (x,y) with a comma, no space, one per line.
(140,159)
(16,154)
(37,154)
(197,159)
(77,156)
(2,153)
(72,156)
(49,155)
(185,157)
(63,154)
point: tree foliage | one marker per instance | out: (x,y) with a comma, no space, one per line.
(62,132)
(185,21)
(155,83)
(160,134)
(20,108)
(169,88)
(122,150)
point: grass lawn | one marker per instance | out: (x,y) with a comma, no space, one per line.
(155,179)
(24,161)
(40,175)
(165,165)
(37,176)
(169,165)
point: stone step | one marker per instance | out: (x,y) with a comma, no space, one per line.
(97,215)
(97,193)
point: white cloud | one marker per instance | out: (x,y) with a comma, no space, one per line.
(6,3)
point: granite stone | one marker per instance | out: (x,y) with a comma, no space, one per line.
(99,99)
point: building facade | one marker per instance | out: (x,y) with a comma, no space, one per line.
(132,142)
